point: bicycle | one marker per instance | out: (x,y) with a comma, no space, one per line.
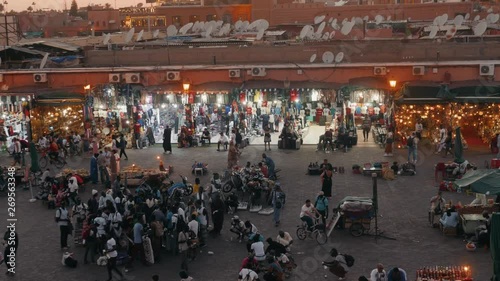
(45,159)
(318,231)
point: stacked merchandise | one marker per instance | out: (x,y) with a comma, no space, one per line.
(443,273)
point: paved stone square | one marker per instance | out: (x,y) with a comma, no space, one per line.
(403,206)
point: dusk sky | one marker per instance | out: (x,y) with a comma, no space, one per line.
(20,5)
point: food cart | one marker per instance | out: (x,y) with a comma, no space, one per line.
(356,214)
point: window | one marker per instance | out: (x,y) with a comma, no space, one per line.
(176,20)
(211,17)
(104,23)
(227,18)
(97,23)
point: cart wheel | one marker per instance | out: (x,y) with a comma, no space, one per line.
(321,237)
(356,229)
(301,233)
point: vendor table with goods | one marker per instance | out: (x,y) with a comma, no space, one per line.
(134,175)
(444,273)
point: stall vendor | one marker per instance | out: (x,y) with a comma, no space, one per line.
(450,218)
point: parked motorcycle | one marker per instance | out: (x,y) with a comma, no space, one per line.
(180,189)
(236,181)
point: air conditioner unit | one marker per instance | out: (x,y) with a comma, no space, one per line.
(379,70)
(259,71)
(418,70)
(115,78)
(132,78)
(486,69)
(40,77)
(173,76)
(234,73)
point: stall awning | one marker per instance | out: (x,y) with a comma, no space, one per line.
(464,91)
(263,84)
(59,98)
(215,86)
(313,85)
(370,83)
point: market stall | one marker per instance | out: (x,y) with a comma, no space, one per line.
(444,273)
(14,118)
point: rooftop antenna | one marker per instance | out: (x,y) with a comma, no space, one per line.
(313,58)
(328,57)
(305,30)
(492,18)
(44,60)
(458,20)
(171,30)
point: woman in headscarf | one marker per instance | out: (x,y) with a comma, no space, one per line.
(167,145)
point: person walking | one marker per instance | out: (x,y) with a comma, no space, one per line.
(388,143)
(267,138)
(367,126)
(326,182)
(167,140)
(94,169)
(95,145)
(182,241)
(103,169)
(63,220)
(217,208)
(278,197)
(113,165)
(111,253)
(232,155)
(419,128)
(123,146)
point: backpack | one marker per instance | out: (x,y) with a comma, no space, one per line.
(409,142)
(349,260)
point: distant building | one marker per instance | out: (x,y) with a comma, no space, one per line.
(53,24)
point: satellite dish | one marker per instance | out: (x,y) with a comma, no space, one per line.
(335,25)
(321,28)
(358,20)
(129,35)
(332,34)
(305,30)
(467,16)
(139,36)
(106,39)
(328,57)
(344,21)
(434,30)
(436,20)
(208,32)
(185,28)
(492,18)
(219,23)
(226,28)
(458,20)
(477,18)
(171,30)
(44,60)
(313,58)
(311,35)
(264,24)
(319,19)
(443,19)
(339,57)
(346,28)
(260,34)
(451,32)
(388,18)
(156,33)
(490,10)
(253,25)
(330,20)
(480,28)
(326,36)
(245,25)
(238,24)
(379,19)
(366,18)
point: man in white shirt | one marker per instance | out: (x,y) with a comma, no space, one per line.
(442,139)
(63,219)
(378,274)
(247,274)
(101,223)
(222,140)
(111,253)
(257,248)
(194,225)
(308,214)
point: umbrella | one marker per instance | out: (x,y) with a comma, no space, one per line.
(481,181)
(459,147)
(35,167)
(495,245)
